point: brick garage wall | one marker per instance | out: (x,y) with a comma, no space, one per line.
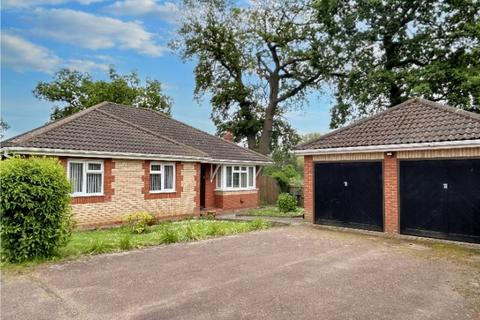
(308,188)
(227,200)
(128,185)
(390,193)
(440,154)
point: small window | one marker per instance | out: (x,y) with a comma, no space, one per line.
(237,177)
(86,177)
(162,177)
(251,176)
(229,177)
(219,178)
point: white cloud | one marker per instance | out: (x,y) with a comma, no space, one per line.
(7,4)
(22,55)
(84,65)
(167,10)
(94,32)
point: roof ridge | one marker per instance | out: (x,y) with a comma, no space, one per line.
(449,108)
(150,132)
(198,130)
(52,125)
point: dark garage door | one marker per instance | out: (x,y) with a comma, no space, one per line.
(441,199)
(349,194)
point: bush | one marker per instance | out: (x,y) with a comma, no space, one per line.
(138,222)
(34,208)
(286,202)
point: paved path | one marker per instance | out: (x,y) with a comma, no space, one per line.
(233,216)
(295,272)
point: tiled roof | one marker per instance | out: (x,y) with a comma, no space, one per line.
(413,121)
(109,127)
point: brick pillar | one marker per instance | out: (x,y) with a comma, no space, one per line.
(390,174)
(308,188)
(197,188)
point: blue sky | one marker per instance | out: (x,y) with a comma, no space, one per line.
(41,36)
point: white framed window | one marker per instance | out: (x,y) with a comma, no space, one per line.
(162,177)
(236,177)
(86,177)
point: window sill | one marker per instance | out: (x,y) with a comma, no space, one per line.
(87,195)
(235,190)
(161,192)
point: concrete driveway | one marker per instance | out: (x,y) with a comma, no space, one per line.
(297,272)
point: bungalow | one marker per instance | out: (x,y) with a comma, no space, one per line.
(122,159)
(412,169)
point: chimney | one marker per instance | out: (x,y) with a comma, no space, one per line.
(228,135)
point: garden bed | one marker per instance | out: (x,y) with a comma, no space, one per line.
(122,238)
(272,212)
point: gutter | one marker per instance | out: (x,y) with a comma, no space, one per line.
(394,147)
(122,155)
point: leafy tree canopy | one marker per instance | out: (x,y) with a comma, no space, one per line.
(256,63)
(397,49)
(310,137)
(4,126)
(76,91)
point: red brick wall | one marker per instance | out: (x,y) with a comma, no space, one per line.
(146,183)
(108,178)
(390,176)
(308,188)
(237,200)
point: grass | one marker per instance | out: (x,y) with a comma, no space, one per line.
(271,211)
(121,239)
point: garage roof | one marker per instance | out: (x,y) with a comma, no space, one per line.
(415,121)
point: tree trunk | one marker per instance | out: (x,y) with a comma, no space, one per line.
(266,138)
(391,56)
(252,141)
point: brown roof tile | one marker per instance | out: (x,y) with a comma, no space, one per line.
(414,121)
(110,127)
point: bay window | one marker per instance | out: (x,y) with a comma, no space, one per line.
(235,177)
(162,177)
(86,177)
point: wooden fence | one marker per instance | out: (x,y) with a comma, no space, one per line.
(268,189)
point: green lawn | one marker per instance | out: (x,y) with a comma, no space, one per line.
(271,212)
(120,239)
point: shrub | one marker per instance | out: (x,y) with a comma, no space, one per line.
(34,208)
(138,222)
(286,202)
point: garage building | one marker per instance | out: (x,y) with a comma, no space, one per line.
(412,169)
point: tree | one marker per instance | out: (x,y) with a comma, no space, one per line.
(256,62)
(307,137)
(78,91)
(397,49)
(4,126)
